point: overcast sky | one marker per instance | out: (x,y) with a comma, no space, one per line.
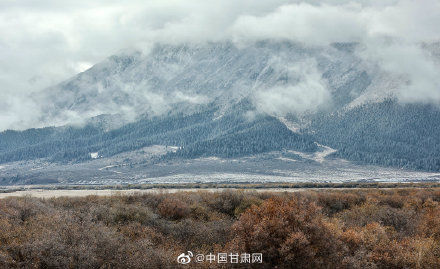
(44,42)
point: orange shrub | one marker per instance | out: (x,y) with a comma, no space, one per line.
(289,232)
(173,208)
(308,229)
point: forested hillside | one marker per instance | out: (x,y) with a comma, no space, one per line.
(386,133)
(196,135)
(220,99)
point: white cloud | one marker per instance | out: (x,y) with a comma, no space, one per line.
(306,23)
(44,42)
(419,73)
(307,94)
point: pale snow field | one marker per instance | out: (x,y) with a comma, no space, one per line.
(41,193)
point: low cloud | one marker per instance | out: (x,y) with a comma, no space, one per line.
(308,93)
(418,71)
(303,22)
(45,42)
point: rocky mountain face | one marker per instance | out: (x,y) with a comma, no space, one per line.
(228,100)
(171,77)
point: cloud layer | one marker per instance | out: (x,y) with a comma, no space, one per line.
(44,42)
(308,93)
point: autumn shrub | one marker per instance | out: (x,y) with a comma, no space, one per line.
(288,232)
(246,203)
(225,202)
(335,202)
(392,200)
(430,220)
(173,208)
(402,220)
(130,213)
(387,228)
(191,234)
(200,212)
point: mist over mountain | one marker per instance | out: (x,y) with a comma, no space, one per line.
(293,86)
(278,78)
(45,43)
(231,100)
(223,100)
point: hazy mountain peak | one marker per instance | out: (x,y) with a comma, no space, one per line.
(300,78)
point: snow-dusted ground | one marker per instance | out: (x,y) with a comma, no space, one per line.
(47,193)
(294,127)
(142,166)
(318,156)
(373,174)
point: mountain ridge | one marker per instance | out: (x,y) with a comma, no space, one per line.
(221,100)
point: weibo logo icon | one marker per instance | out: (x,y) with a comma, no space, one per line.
(185,258)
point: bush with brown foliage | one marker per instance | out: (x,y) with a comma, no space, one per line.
(311,229)
(173,209)
(288,232)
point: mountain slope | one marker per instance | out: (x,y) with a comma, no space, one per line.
(170,78)
(223,100)
(386,133)
(198,134)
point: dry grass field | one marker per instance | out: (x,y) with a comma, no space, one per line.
(348,228)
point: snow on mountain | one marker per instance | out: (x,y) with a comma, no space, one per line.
(279,77)
(301,103)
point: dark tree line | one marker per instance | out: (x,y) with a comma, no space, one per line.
(200,134)
(387,133)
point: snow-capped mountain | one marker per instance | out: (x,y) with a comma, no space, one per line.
(233,101)
(278,77)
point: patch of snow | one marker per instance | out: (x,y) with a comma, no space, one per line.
(384,86)
(105,167)
(286,159)
(213,158)
(173,148)
(338,175)
(294,127)
(318,156)
(219,116)
(37,168)
(94,155)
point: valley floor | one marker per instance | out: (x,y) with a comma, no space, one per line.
(143,167)
(56,191)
